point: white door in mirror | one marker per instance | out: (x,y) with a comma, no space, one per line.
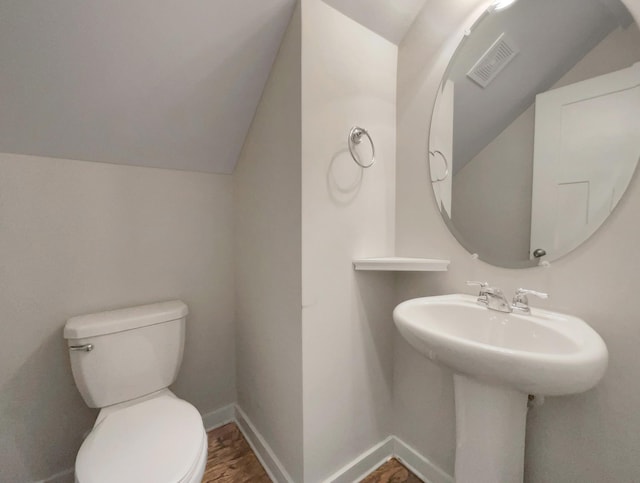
(585,153)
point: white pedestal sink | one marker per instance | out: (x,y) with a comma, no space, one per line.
(499,359)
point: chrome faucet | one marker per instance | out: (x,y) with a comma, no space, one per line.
(492,297)
(521,301)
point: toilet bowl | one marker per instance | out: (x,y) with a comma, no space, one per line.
(156,440)
(123,362)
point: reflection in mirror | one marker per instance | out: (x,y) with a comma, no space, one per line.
(536,122)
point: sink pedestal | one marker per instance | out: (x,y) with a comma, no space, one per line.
(542,352)
(490,429)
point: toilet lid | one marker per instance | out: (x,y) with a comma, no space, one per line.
(158,440)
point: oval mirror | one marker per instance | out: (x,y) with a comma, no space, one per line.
(535,133)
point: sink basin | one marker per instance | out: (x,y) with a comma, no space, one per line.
(499,359)
(539,353)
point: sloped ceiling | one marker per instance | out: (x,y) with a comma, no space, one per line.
(390,19)
(160,83)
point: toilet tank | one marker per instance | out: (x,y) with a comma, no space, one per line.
(124,354)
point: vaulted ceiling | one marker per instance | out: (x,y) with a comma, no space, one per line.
(158,83)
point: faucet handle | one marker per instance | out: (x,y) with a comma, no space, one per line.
(471,283)
(482,294)
(523,292)
(521,302)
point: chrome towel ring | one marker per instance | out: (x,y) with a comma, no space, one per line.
(355,138)
(446,165)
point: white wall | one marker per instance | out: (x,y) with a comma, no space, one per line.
(591,437)
(316,380)
(422,392)
(79,237)
(267,204)
(348,78)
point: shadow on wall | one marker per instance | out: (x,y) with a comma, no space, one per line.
(344,178)
(375,303)
(38,409)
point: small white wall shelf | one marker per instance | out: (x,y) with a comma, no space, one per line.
(400,264)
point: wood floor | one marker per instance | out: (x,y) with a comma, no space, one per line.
(231,460)
(392,472)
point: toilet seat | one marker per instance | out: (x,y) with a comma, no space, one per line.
(197,471)
(159,440)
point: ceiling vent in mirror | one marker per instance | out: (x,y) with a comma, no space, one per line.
(496,58)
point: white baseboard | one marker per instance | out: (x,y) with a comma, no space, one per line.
(352,472)
(418,464)
(219,417)
(364,464)
(391,447)
(261,448)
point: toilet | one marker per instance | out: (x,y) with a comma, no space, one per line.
(123,362)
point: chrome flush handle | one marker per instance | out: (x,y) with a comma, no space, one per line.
(81,348)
